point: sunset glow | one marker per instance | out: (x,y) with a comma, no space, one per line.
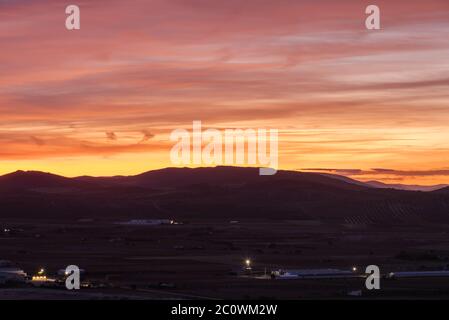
(372,105)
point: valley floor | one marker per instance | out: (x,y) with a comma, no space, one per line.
(205,259)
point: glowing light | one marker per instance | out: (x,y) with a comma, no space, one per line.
(39,278)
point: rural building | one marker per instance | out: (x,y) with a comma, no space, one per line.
(9,273)
(311,273)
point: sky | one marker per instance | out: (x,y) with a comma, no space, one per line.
(102,100)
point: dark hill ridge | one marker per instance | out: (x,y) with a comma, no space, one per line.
(216,193)
(22,180)
(33,178)
(221,176)
(442,191)
(377,184)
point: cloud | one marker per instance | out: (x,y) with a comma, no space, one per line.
(147,135)
(413,173)
(382,171)
(338,171)
(371,97)
(37,141)
(111,135)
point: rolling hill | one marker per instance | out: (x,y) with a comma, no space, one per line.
(377,184)
(216,193)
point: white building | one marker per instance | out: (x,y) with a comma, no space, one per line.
(312,273)
(148,222)
(9,273)
(418,274)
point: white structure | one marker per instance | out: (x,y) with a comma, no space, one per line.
(148,222)
(63,273)
(355,293)
(312,273)
(10,273)
(418,274)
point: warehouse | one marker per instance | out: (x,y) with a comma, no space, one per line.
(418,274)
(312,273)
(9,273)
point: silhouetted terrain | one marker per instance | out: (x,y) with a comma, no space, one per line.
(377,184)
(292,220)
(216,193)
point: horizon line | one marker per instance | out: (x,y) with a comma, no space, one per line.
(223,166)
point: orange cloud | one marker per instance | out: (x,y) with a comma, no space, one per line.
(309,68)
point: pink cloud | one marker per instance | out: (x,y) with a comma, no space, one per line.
(162,64)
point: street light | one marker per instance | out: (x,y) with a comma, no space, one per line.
(248,264)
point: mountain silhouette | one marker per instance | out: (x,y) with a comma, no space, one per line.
(217,193)
(442,191)
(377,184)
(20,180)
